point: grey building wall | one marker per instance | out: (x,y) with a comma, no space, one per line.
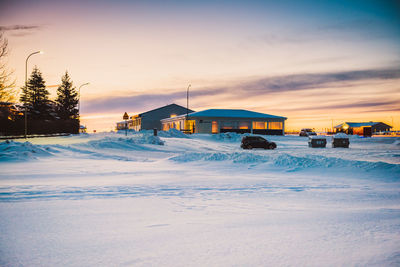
(381,127)
(151,119)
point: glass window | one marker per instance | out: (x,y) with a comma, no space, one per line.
(214,127)
(244,125)
(259,125)
(228,124)
(190,126)
(177,125)
(275,125)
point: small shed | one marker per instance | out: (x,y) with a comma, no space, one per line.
(227,120)
(362,128)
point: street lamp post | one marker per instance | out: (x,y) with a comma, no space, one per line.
(26,86)
(79,98)
(187,109)
(187,101)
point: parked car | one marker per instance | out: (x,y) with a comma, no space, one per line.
(249,142)
(307,132)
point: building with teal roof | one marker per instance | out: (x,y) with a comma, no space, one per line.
(227,120)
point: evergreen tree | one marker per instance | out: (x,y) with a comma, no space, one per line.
(35,95)
(67,99)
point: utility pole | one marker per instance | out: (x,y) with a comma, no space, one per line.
(187,107)
(79,99)
(187,101)
(126,118)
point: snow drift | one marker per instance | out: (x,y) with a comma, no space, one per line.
(229,137)
(124,143)
(172,133)
(18,151)
(291,162)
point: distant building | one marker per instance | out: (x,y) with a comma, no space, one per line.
(82,129)
(121,125)
(9,111)
(362,128)
(151,119)
(226,120)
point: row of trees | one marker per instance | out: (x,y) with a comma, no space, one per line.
(35,98)
(44,115)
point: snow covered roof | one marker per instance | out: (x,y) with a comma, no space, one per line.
(340,135)
(357,124)
(317,137)
(120,122)
(233,113)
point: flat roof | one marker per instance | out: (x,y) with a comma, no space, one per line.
(231,113)
(124,121)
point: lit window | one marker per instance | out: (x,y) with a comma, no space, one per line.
(214,127)
(275,125)
(244,125)
(259,125)
(228,125)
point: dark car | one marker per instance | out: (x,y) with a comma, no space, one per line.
(249,142)
(307,132)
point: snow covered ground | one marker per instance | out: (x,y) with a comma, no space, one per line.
(109,200)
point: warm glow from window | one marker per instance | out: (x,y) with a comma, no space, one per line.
(190,125)
(165,127)
(259,125)
(244,125)
(275,125)
(173,115)
(214,127)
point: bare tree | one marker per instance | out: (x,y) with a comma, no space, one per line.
(7,84)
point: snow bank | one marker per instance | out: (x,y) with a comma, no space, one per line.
(172,133)
(290,162)
(230,137)
(317,161)
(124,143)
(396,142)
(18,151)
(129,131)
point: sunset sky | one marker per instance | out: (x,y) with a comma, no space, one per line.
(315,62)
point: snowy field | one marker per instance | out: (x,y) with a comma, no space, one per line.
(109,200)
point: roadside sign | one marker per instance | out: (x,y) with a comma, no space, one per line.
(125,117)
